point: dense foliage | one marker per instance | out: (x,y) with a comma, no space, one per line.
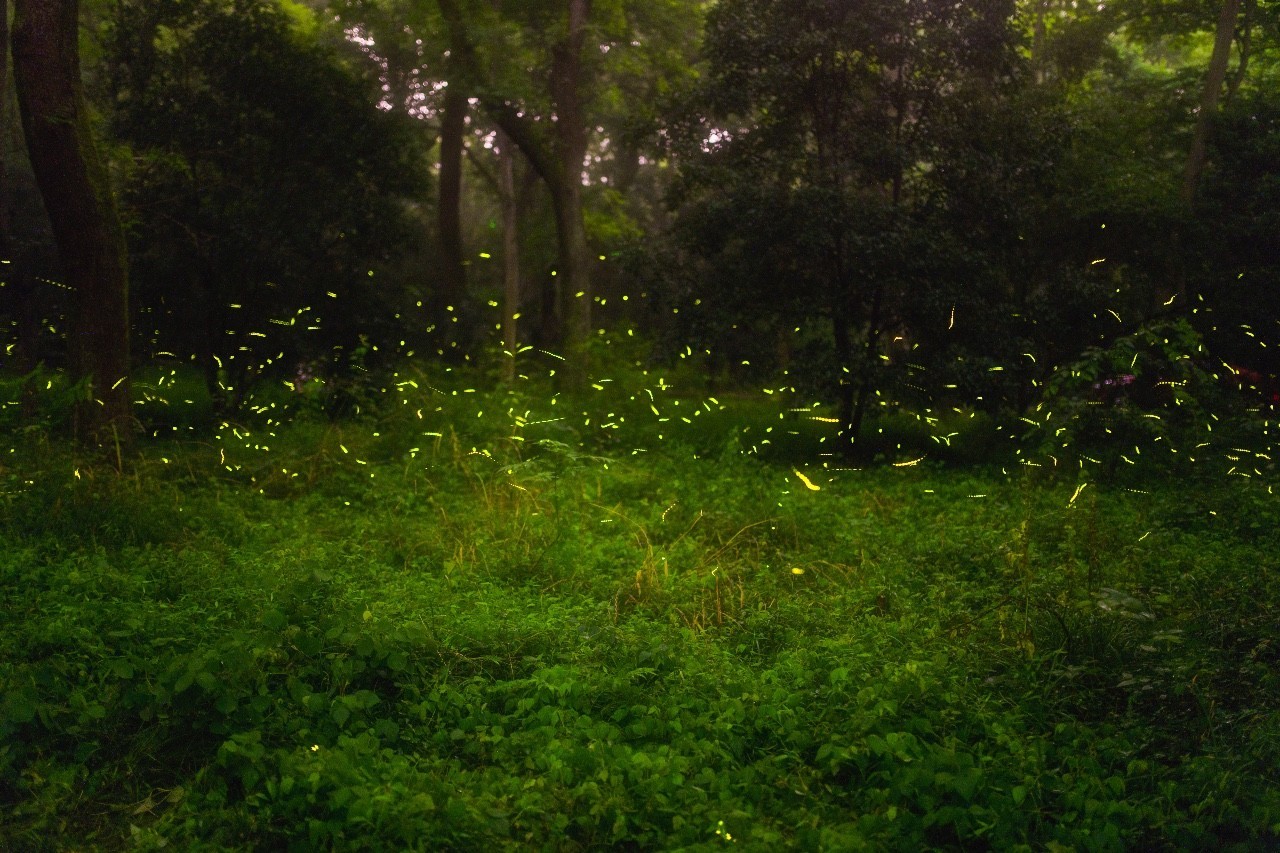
(266,189)
(374,637)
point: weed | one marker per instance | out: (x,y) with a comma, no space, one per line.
(400,634)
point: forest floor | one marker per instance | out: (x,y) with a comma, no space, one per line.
(359,645)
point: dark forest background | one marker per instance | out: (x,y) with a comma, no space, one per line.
(909,205)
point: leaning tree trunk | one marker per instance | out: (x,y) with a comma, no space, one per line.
(1246,49)
(77,196)
(1209,98)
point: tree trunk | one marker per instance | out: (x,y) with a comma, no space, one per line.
(77,196)
(574,285)
(845,388)
(842,335)
(1246,49)
(6,243)
(452,286)
(209,331)
(23,285)
(559,164)
(1209,98)
(12,274)
(869,366)
(1038,40)
(571,149)
(510,257)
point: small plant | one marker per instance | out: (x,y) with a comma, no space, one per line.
(1148,392)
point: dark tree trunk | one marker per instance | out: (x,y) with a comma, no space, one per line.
(6,242)
(14,274)
(550,323)
(851,384)
(24,284)
(510,257)
(571,149)
(559,164)
(574,281)
(843,340)
(451,289)
(77,196)
(209,329)
(1038,40)
(1209,98)
(867,369)
(1246,49)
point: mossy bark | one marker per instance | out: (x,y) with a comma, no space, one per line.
(77,195)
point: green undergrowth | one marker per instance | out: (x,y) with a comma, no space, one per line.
(361,638)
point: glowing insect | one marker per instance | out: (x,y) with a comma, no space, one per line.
(808,484)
